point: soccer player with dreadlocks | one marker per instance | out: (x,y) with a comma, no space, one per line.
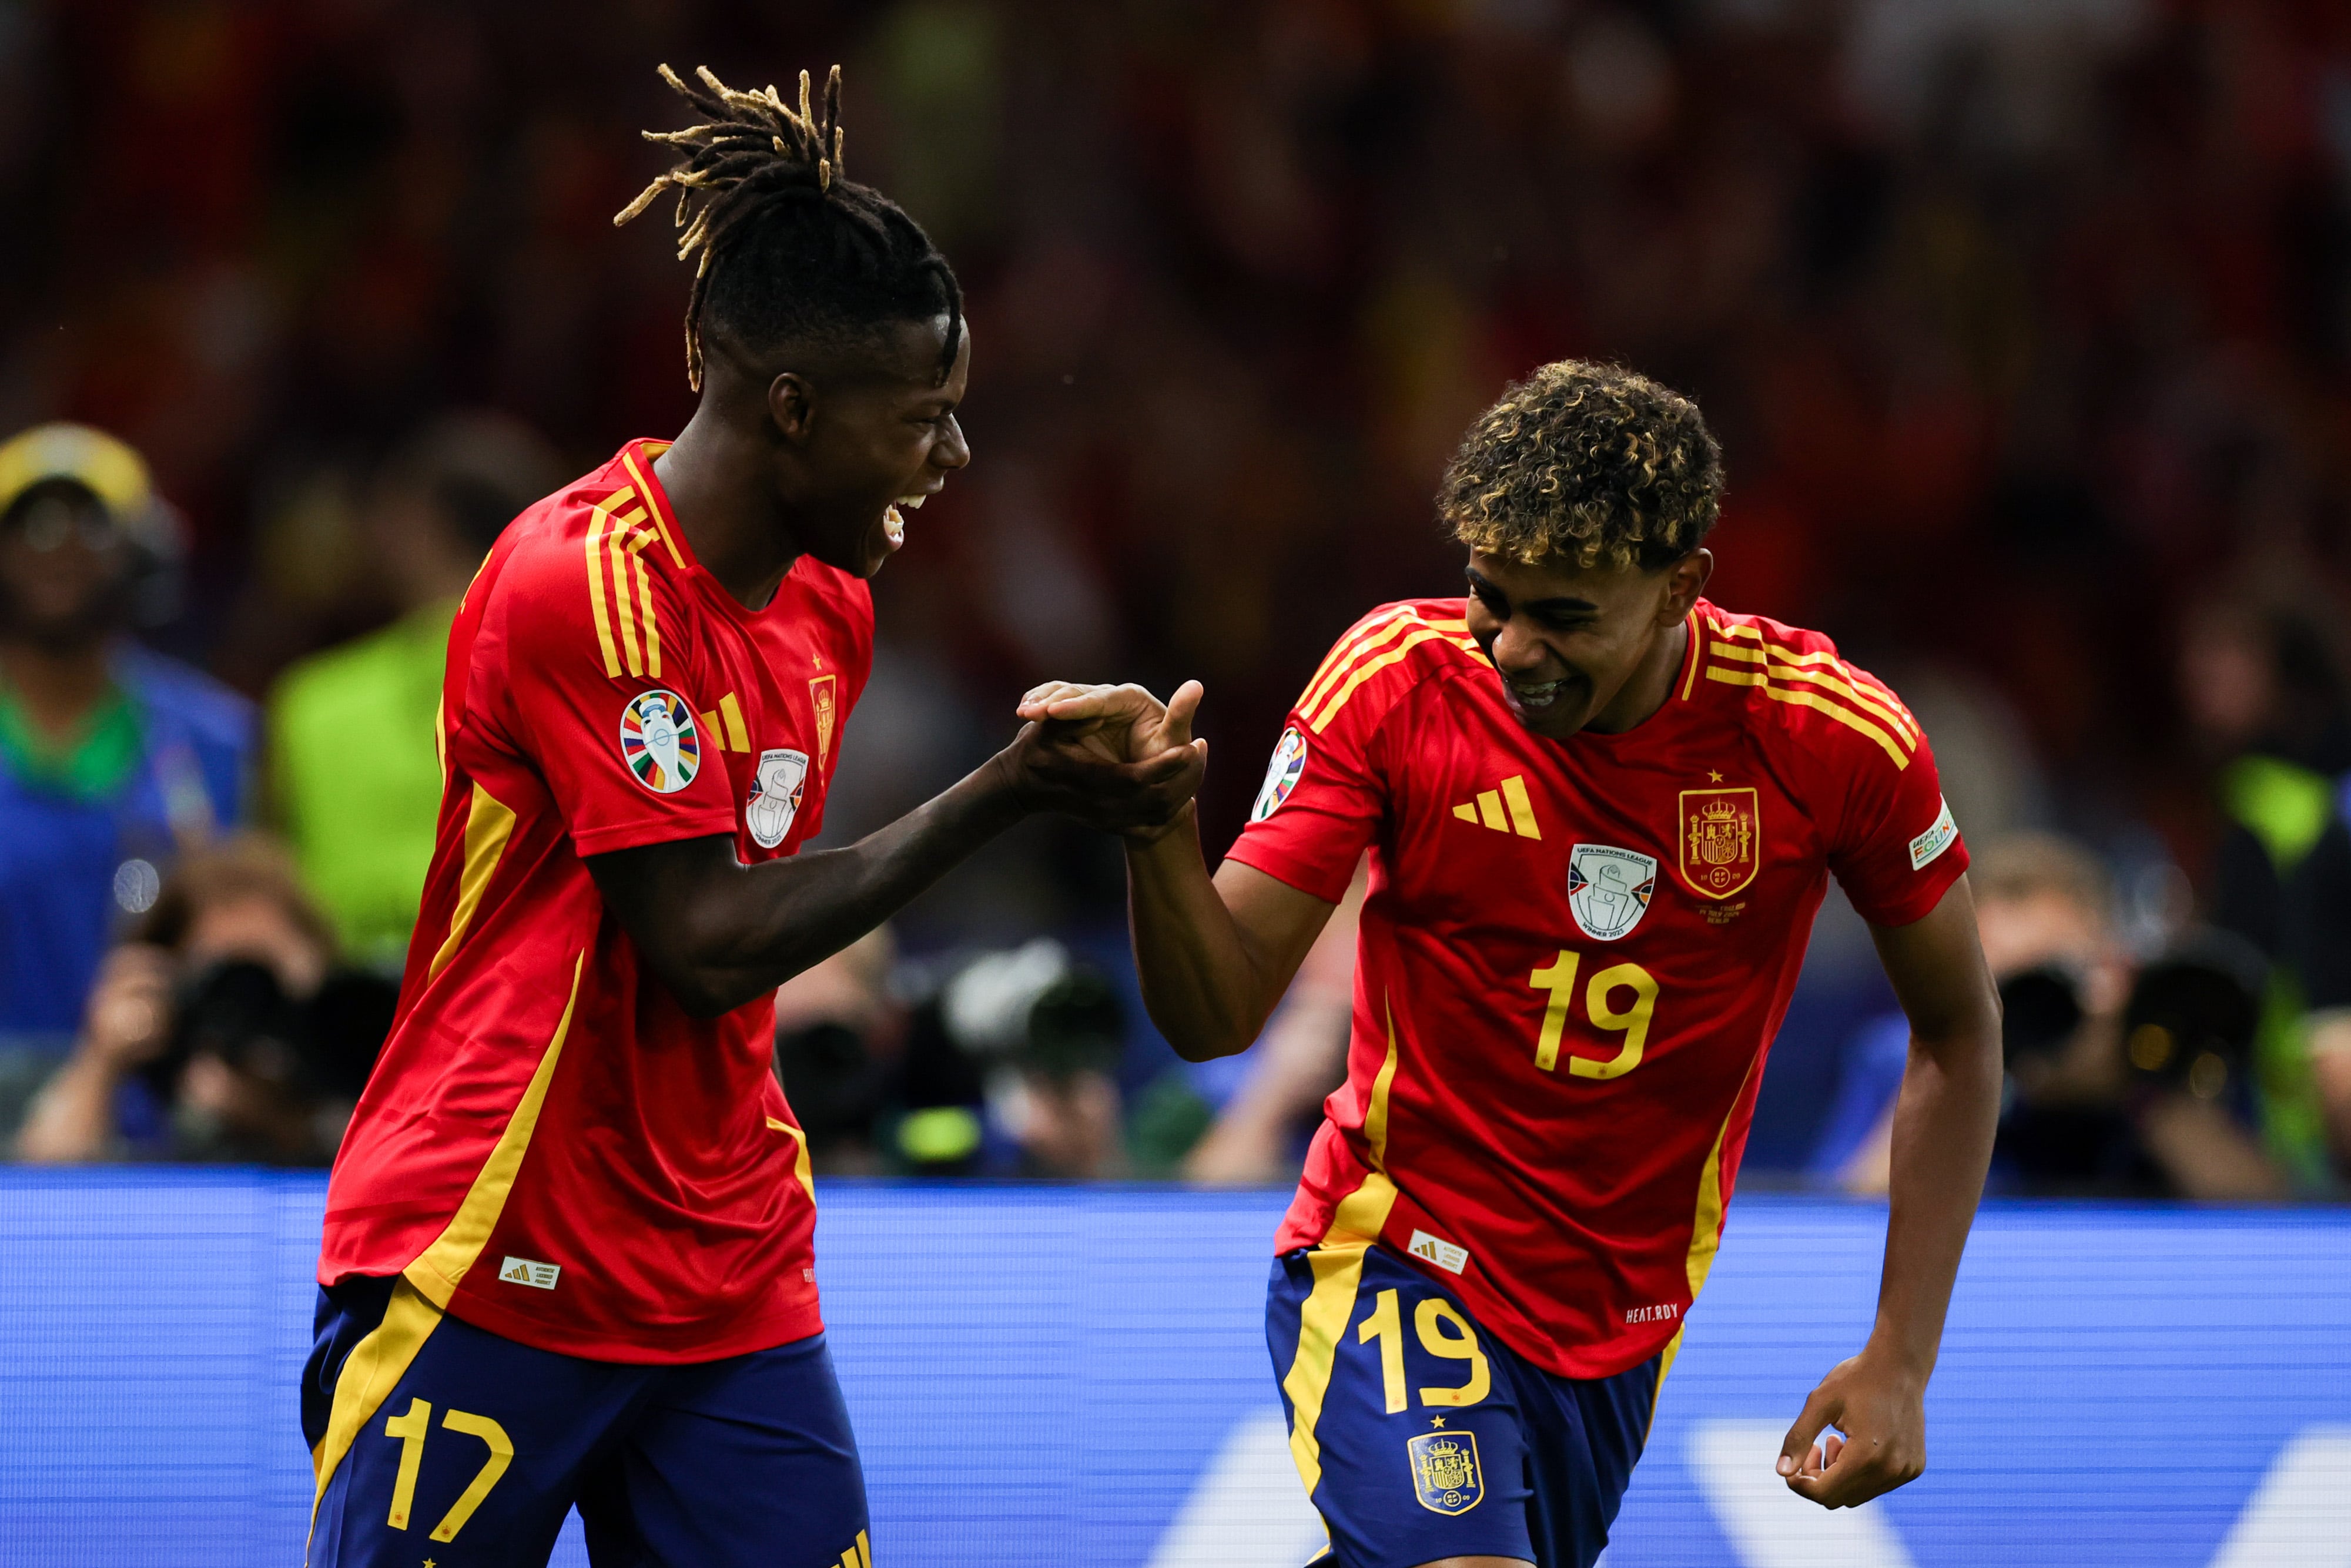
(567,1250)
(1601,812)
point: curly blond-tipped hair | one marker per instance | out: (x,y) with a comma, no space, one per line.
(1590,462)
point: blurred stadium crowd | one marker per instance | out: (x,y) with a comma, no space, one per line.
(2026,326)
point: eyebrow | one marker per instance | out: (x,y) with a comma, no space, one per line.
(1563,604)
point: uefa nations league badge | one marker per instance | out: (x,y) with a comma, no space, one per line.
(776,796)
(1609,889)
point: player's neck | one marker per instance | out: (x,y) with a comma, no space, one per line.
(1650,685)
(718,493)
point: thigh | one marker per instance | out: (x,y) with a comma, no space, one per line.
(1404,1421)
(439,1439)
(743,1461)
(1584,1436)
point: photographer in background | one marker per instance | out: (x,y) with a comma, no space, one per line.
(2121,1080)
(219,1032)
(839,1034)
(112,758)
(2262,678)
(1009,1069)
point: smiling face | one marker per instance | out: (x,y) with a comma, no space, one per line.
(863,448)
(1582,647)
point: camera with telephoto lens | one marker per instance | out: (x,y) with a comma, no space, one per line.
(2189,1021)
(986,1021)
(321,1046)
(1035,1009)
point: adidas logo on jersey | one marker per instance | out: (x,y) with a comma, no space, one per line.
(1506,810)
(529,1271)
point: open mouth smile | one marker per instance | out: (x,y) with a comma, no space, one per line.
(1534,696)
(893,521)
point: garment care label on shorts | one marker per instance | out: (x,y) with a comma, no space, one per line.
(1444,1254)
(529,1271)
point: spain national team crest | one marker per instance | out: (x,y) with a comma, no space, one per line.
(658,741)
(1445,1473)
(820,698)
(1609,889)
(776,791)
(1281,774)
(1721,839)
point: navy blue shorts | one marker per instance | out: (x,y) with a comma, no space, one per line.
(1421,1437)
(432,1438)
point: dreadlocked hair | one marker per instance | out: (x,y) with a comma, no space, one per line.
(1587,461)
(785,246)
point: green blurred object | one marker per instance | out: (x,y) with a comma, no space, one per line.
(89,766)
(939,1136)
(2286,808)
(1168,1119)
(357,776)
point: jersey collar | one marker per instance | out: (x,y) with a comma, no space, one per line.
(1688,679)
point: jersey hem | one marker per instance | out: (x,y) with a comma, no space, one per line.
(1921,900)
(1589,1367)
(634,835)
(643,1347)
(1291,871)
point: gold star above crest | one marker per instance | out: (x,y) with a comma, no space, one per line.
(1713,778)
(1436,1420)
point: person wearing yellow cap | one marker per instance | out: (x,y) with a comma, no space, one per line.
(112,758)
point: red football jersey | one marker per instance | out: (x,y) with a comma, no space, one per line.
(1574,953)
(551,1147)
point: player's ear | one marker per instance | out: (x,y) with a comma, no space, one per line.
(1685,580)
(792,405)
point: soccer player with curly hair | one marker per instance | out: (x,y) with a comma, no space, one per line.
(1601,812)
(568,1251)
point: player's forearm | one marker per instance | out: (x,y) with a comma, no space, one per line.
(1943,1127)
(1200,983)
(761,925)
(72,1117)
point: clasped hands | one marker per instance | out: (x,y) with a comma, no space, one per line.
(1115,757)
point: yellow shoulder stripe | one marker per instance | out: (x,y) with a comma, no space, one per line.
(1366,670)
(1362,640)
(644,488)
(1784,666)
(1335,662)
(635,549)
(1837,711)
(599,517)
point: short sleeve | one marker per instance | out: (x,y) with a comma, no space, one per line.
(1897,850)
(608,710)
(1322,802)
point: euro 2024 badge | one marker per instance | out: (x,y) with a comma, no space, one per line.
(1445,1474)
(1609,889)
(1721,834)
(658,741)
(1281,774)
(776,792)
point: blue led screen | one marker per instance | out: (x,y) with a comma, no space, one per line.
(1060,1373)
